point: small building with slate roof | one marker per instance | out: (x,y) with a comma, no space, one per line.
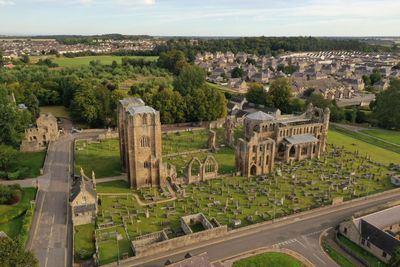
(376,232)
(83,201)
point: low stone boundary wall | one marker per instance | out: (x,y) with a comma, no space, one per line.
(179,242)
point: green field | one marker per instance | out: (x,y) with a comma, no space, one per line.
(387,135)
(12,216)
(341,260)
(377,153)
(269,259)
(58,111)
(370,139)
(26,165)
(360,252)
(102,158)
(82,61)
(83,242)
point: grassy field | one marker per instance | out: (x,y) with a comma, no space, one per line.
(352,144)
(26,165)
(390,136)
(58,111)
(12,215)
(82,61)
(113,187)
(370,139)
(109,246)
(269,259)
(83,242)
(341,260)
(102,158)
(371,259)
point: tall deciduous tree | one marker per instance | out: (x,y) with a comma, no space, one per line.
(13,254)
(7,156)
(190,79)
(280,93)
(386,109)
(173,61)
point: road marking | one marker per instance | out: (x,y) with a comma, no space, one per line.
(301,243)
(284,243)
(313,233)
(315,255)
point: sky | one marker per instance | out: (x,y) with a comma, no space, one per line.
(202,17)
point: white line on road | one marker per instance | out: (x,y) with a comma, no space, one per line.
(301,243)
(315,255)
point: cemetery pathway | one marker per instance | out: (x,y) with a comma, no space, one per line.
(300,233)
(139,201)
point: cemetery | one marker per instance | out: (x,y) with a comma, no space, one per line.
(125,215)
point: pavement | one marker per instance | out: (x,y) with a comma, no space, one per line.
(300,234)
(51,232)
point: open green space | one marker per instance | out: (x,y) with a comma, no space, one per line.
(341,260)
(360,252)
(113,244)
(177,142)
(352,144)
(100,157)
(390,136)
(118,186)
(82,61)
(12,216)
(269,259)
(224,156)
(25,165)
(370,139)
(83,242)
(58,111)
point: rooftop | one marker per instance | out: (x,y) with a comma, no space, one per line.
(301,139)
(260,116)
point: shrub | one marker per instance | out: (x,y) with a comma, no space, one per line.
(14,175)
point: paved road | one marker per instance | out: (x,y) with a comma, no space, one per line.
(50,237)
(300,234)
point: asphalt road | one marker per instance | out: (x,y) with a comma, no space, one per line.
(300,234)
(51,231)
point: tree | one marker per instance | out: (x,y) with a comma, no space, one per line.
(281,93)
(12,120)
(171,105)
(7,156)
(32,103)
(297,105)
(190,79)
(237,72)
(25,59)
(13,254)
(395,259)
(85,107)
(2,61)
(375,76)
(173,61)
(386,109)
(257,94)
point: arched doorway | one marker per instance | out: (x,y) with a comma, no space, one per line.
(292,152)
(253,170)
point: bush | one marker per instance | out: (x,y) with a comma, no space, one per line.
(10,194)
(14,175)
(26,225)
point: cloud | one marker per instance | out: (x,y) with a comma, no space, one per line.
(136,2)
(6,3)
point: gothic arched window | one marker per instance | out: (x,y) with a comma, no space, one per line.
(144,141)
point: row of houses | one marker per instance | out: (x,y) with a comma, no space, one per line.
(336,75)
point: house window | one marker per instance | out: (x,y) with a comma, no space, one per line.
(384,254)
(147,165)
(363,241)
(345,231)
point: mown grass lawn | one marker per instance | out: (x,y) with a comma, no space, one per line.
(84,61)
(103,158)
(362,253)
(119,186)
(58,111)
(341,260)
(11,216)
(377,153)
(110,247)
(26,165)
(83,241)
(269,259)
(390,136)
